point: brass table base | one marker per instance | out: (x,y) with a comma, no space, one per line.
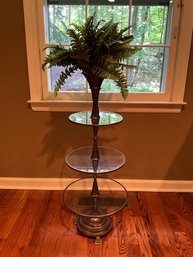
(94,226)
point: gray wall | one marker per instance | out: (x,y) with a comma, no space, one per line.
(34,144)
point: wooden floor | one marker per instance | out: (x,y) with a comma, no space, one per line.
(33,224)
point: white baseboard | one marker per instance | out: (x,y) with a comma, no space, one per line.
(129,184)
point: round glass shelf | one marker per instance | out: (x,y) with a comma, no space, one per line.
(78,199)
(110,160)
(106,118)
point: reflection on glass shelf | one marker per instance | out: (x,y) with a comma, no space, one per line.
(110,160)
(106,118)
(112,197)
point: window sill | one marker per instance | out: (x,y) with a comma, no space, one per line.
(132,106)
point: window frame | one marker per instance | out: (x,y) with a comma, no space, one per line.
(169,101)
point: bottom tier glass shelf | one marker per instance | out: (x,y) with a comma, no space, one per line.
(78,199)
(94,213)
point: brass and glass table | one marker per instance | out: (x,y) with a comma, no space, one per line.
(95,199)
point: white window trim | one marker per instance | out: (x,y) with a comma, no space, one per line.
(152,103)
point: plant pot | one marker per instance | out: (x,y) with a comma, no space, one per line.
(95,86)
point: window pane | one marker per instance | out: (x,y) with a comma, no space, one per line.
(119,14)
(109,86)
(149,24)
(76,83)
(59,19)
(147,77)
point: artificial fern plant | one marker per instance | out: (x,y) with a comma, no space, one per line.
(98,50)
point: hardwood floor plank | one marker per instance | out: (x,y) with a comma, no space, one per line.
(41,216)
(174,205)
(126,233)
(143,239)
(171,206)
(69,242)
(186,206)
(111,238)
(11,204)
(172,242)
(50,226)
(154,243)
(163,229)
(133,203)
(182,246)
(22,229)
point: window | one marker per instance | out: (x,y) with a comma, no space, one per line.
(162,28)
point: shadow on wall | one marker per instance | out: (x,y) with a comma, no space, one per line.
(53,143)
(62,137)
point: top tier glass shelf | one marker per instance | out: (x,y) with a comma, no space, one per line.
(106,118)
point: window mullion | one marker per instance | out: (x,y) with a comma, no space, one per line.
(86,6)
(174,30)
(86,14)
(164,73)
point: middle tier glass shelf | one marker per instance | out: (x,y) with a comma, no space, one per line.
(110,160)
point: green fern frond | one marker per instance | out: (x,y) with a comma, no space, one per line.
(122,84)
(103,28)
(75,38)
(77,27)
(123,53)
(107,33)
(121,32)
(101,72)
(62,78)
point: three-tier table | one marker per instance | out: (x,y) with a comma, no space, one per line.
(95,198)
